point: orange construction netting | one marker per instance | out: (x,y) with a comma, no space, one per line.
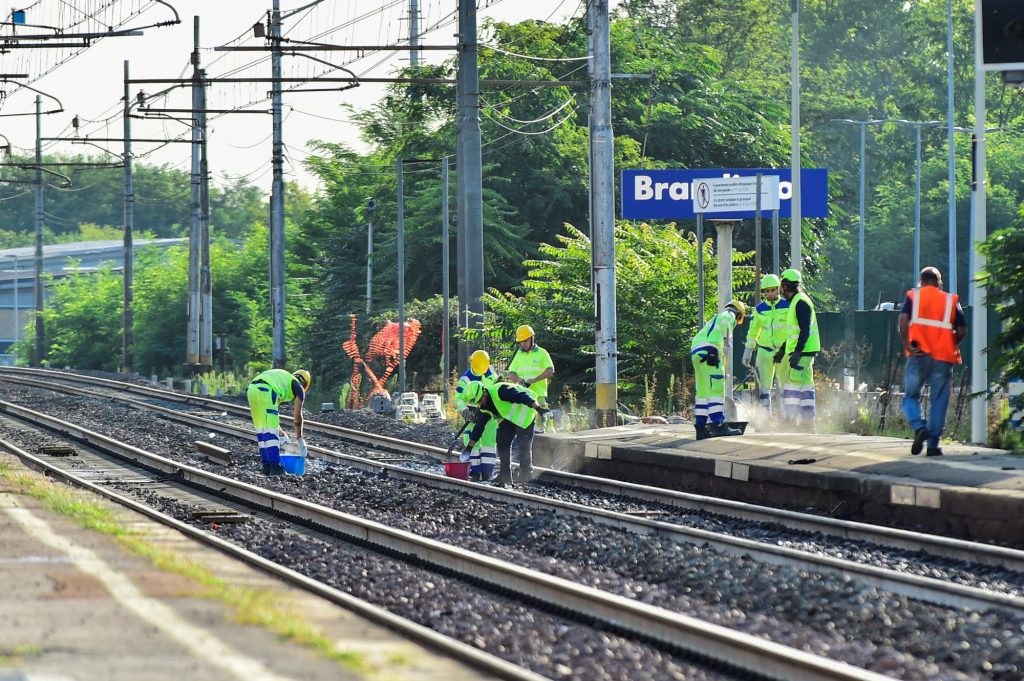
(384,347)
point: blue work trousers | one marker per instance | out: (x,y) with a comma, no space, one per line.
(923,370)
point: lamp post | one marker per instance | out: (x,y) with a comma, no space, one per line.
(860,234)
(917,125)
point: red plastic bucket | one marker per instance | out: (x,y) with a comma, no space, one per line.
(457,469)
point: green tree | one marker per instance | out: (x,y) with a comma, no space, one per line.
(1004,281)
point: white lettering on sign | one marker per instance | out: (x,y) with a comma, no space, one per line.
(645,189)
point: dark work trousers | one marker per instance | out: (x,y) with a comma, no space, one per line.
(524,436)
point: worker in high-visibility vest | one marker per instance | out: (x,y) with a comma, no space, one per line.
(932,325)
(515,409)
(768,332)
(267,392)
(484,453)
(531,366)
(802,345)
(707,353)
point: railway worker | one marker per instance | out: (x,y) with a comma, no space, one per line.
(266,393)
(707,352)
(932,325)
(802,345)
(531,366)
(768,332)
(484,453)
(515,409)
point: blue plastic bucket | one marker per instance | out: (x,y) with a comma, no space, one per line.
(296,465)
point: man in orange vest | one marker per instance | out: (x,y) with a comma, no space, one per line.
(931,326)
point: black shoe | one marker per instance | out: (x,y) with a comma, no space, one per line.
(723,430)
(702,434)
(919,435)
(474,477)
(934,451)
(526,474)
(266,469)
(273,469)
(502,480)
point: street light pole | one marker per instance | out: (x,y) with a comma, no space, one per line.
(951,170)
(860,197)
(795,234)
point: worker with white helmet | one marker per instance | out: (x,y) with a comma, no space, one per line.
(802,344)
(483,454)
(769,331)
(531,366)
(707,353)
(515,410)
(267,392)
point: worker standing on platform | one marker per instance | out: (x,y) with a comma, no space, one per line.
(531,366)
(266,393)
(802,345)
(768,332)
(515,409)
(932,325)
(482,456)
(707,352)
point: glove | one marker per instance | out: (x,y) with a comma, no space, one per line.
(542,411)
(469,414)
(794,362)
(779,355)
(711,358)
(302,447)
(747,357)
(283,437)
(465,455)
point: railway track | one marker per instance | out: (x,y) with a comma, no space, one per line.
(1009,604)
(925,583)
(731,654)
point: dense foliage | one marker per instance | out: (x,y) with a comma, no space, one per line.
(717,96)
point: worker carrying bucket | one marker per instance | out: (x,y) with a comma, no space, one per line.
(265,394)
(515,409)
(707,352)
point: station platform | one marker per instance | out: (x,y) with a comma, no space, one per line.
(77,605)
(970,492)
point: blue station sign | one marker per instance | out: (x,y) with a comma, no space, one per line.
(665,194)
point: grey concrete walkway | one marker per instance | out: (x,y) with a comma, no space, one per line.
(76,605)
(970,492)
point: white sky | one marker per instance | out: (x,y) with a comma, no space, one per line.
(91,84)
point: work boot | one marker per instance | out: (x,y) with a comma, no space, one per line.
(526,475)
(275,469)
(702,433)
(474,476)
(934,451)
(266,469)
(502,481)
(723,430)
(919,435)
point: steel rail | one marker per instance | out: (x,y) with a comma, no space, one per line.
(674,630)
(945,547)
(450,647)
(927,589)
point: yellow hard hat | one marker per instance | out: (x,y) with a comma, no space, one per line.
(524,332)
(304,378)
(739,307)
(479,362)
(791,275)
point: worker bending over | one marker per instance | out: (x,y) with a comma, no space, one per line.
(802,344)
(707,352)
(266,393)
(515,409)
(483,453)
(768,333)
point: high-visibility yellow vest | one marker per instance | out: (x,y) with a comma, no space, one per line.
(769,325)
(519,414)
(715,331)
(813,343)
(280,381)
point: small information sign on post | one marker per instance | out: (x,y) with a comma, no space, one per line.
(731,194)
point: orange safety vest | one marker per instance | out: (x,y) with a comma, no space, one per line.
(931,322)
